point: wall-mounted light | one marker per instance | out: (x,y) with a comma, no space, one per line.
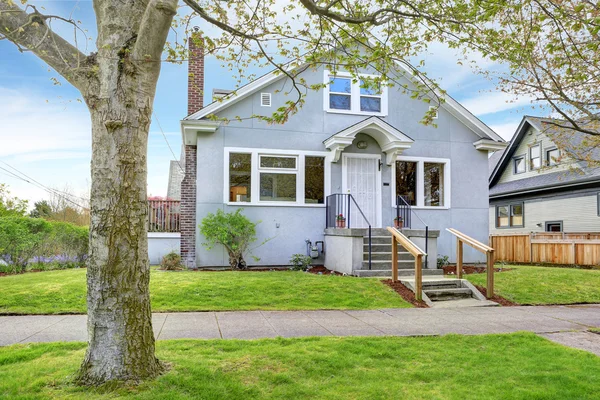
(362,145)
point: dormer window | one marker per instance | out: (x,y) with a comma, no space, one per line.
(535,156)
(519,164)
(348,95)
(552,157)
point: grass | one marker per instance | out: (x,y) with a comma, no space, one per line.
(545,285)
(515,366)
(60,292)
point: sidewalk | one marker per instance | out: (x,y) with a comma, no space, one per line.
(268,324)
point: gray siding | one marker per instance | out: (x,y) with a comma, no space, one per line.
(532,136)
(307,130)
(578,213)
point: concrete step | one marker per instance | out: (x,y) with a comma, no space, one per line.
(384,273)
(448,294)
(387,256)
(378,240)
(383,248)
(387,264)
(445,284)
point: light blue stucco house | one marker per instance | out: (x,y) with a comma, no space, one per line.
(345,139)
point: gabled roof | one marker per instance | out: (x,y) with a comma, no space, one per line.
(449,104)
(566,139)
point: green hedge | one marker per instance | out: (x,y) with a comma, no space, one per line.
(34,243)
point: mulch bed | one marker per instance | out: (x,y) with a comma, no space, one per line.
(470,269)
(321,270)
(405,293)
(497,299)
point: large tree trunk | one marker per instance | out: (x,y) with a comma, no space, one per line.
(121,340)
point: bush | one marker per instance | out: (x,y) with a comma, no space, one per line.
(300,262)
(171,262)
(34,243)
(442,261)
(232,230)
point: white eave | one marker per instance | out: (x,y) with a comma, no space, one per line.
(391,140)
(191,129)
(489,145)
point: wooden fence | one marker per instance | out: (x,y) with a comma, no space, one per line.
(547,247)
(163,215)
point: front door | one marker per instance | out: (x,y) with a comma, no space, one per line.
(361,177)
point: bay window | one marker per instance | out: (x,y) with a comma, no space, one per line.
(422,182)
(275,177)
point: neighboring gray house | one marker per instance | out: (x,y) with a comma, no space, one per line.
(344,139)
(542,181)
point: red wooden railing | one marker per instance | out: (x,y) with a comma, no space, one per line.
(163,215)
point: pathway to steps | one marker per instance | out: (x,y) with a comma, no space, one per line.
(268,324)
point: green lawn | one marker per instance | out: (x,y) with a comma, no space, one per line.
(515,366)
(57,292)
(545,285)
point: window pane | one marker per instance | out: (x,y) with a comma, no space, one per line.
(314,180)
(535,151)
(277,187)
(277,162)
(373,90)
(434,184)
(406,181)
(516,218)
(536,163)
(502,212)
(339,101)
(340,85)
(519,165)
(372,104)
(240,167)
(552,157)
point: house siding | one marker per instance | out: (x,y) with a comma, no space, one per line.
(577,211)
(532,136)
(287,228)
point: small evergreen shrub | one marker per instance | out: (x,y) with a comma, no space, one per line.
(442,261)
(300,262)
(171,262)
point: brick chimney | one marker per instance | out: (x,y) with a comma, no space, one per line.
(195,72)
(188,226)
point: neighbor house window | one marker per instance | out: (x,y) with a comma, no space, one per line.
(510,216)
(519,164)
(552,157)
(423,182)
(535,156)
(554,226)
(287,178)
(354,95)
(240,177)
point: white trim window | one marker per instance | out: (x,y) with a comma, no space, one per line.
(422,182)
(275,177)
(349,95)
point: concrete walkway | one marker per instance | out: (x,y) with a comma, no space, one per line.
(267,324)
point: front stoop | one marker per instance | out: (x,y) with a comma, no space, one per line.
(447,293)
(381,259)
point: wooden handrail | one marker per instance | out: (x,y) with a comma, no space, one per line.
(477,245)
(398,237)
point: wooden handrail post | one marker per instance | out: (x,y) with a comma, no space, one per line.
(419,277)
(490,274)
(459,258)
(394,259)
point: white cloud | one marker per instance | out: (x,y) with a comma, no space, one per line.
(495,102)
(506,130)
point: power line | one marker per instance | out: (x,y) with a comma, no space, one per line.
(165,136)
(40,185)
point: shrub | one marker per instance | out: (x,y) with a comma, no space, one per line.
(442,261)
(36,243)
(300,262)
(232,230)
(171,262)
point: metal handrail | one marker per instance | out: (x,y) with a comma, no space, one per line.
(348,197)
(410,212)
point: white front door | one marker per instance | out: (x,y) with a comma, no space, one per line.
(361,177)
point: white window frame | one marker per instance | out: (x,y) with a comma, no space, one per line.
(421,181)
(256,170)
(354,95)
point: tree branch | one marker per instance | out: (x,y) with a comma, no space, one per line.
(30,32)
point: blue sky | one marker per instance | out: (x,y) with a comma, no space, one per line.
(45,130)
